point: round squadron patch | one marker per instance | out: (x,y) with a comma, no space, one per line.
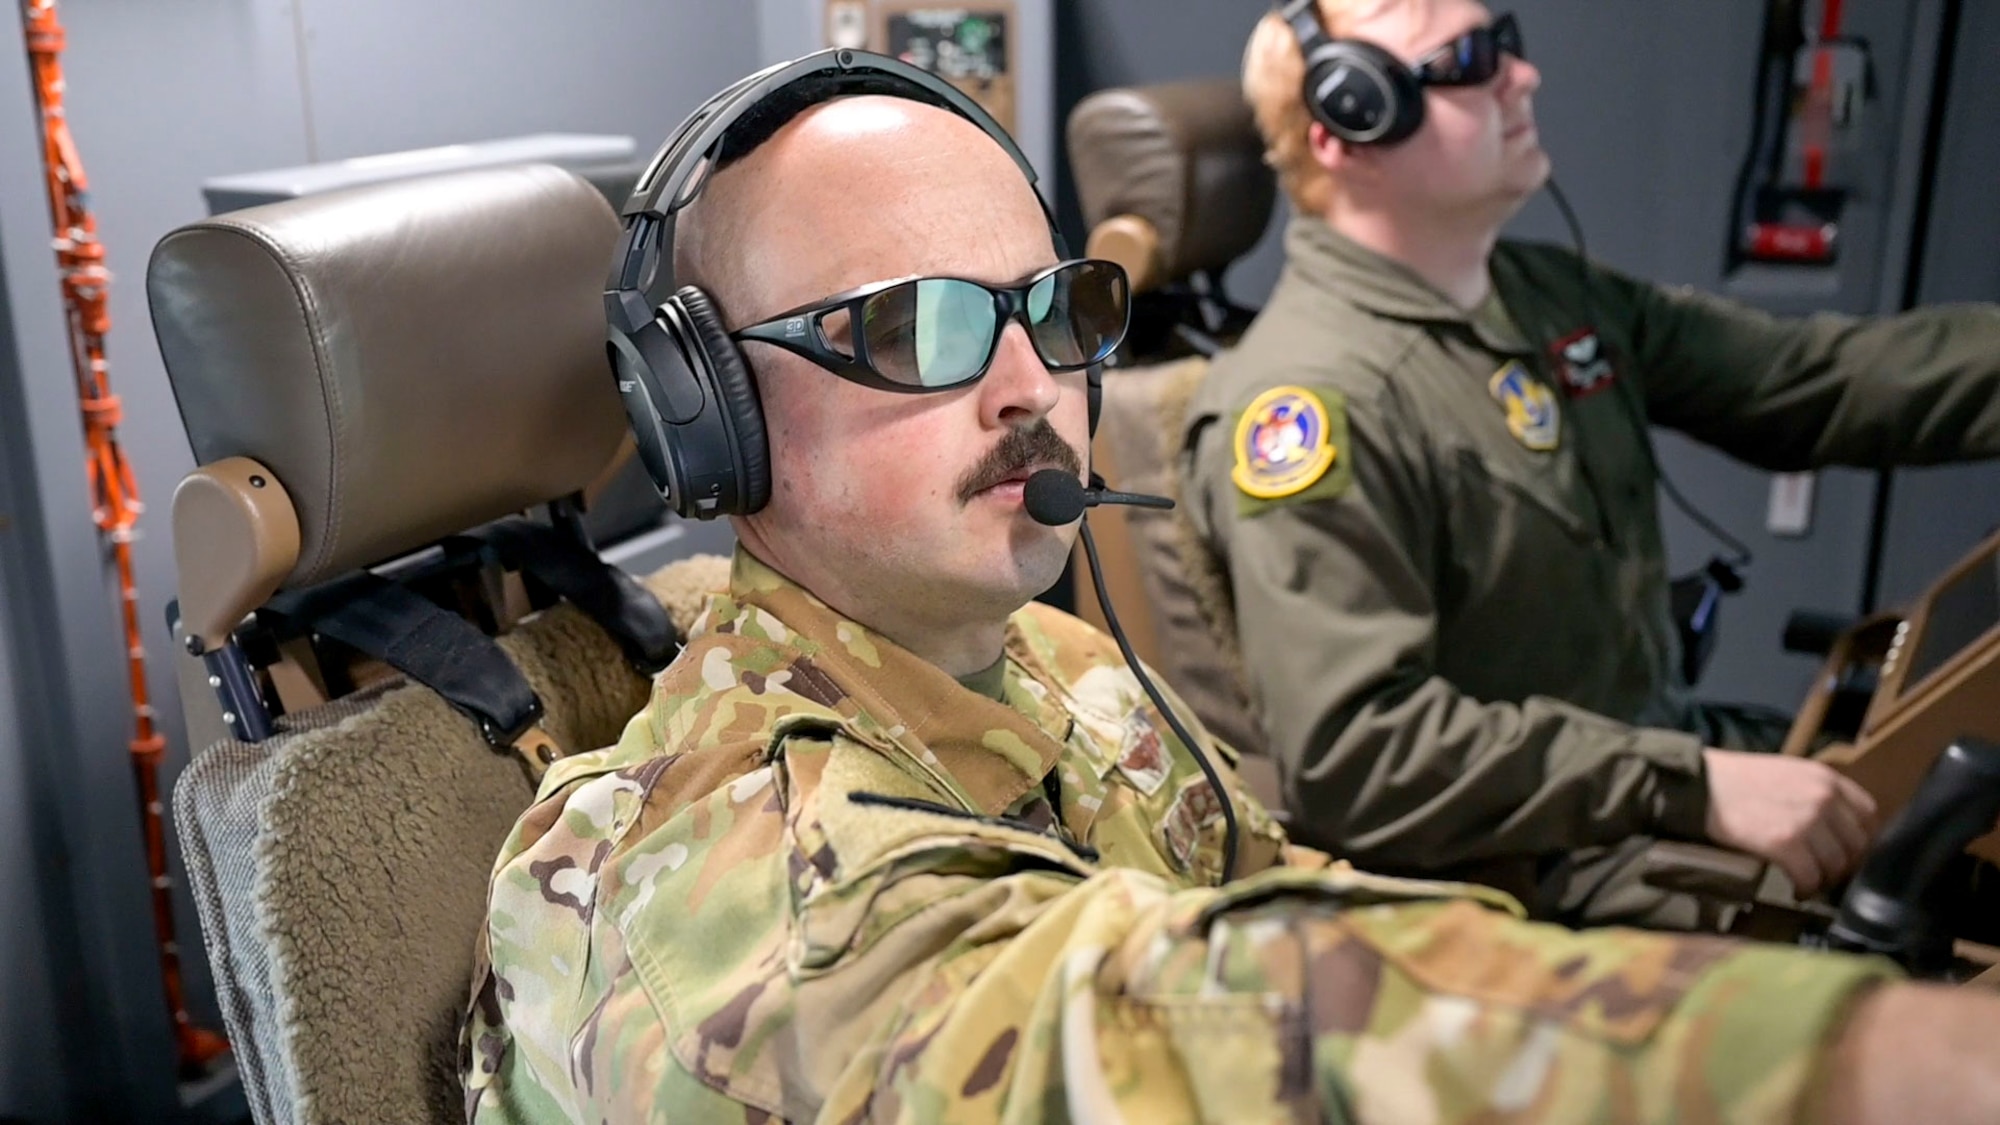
(1282,443)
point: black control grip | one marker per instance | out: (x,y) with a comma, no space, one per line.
(1883,910)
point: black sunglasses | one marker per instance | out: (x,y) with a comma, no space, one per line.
(1471,59)
(935,333)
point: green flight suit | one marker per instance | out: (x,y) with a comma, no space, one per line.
(1458,634)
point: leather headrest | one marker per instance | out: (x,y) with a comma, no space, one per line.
(409,359)
(1183,158)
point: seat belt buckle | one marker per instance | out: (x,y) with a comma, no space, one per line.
(528,740)
(538,750)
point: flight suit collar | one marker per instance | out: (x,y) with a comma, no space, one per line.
(983,752)
(1378,284)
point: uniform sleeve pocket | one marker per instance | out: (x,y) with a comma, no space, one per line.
(887,858)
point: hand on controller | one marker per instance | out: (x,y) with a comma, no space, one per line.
(1800,814)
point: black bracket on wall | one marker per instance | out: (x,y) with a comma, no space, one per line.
(1949,19)
(1790,191)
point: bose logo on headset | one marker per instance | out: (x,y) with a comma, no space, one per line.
(695,415)
(1362,94)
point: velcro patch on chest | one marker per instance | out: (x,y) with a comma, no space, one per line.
(1289,443)
(1196,809)
(1143,759)
(1532,414)
(1582,363)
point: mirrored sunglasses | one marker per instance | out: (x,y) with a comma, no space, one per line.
(935,333)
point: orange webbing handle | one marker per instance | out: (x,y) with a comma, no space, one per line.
(114,494)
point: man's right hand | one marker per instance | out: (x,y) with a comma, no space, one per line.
(1800,814)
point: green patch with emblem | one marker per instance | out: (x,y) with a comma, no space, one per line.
(1290,445)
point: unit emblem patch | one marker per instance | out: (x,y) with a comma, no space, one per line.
(1581,362)
(1532,415)
(1283,443)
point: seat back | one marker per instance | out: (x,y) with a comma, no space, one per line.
(1171,178)
(339,870)
(363,374)
(1174,186)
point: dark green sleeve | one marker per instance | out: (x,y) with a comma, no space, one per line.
(1790,394)
(1383,761)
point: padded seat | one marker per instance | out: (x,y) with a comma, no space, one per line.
(370,379)
(1171,178)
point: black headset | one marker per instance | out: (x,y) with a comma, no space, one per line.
(1362,94)
(695,415)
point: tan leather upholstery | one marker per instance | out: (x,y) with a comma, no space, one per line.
(236,537)
(293,335)
(1184,158)
(1134,243)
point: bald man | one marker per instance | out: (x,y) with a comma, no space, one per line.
(890,842)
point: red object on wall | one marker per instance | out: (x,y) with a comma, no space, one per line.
(1792,242)
(114,493)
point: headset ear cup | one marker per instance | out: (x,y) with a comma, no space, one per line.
(741,410)
(1363,94)
(1409,114)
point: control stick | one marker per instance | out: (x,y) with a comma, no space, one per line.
(1884,910)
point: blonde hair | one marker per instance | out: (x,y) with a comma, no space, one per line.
(1274,75)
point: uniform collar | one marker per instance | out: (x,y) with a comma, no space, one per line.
(1378,284)
(984,752)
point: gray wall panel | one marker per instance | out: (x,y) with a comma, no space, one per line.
(1936,515)
(37,903)
(1646,111)
(384,75)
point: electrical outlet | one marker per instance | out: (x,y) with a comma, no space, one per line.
(1791,508)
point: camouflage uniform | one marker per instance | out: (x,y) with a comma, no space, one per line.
(819,879)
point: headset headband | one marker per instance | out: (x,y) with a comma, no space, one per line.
(1303,16)
(679,170)
(686,386)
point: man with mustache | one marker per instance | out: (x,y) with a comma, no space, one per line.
(1454,617)
(890,842)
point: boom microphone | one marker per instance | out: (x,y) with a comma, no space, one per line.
(1054,497)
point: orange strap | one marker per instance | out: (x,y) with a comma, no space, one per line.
(114,492)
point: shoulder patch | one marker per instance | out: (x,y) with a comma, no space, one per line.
(1532,414)
(1290,442)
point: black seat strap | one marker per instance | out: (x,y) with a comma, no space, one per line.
(607,595)
(411,634)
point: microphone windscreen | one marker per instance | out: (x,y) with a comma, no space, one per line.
(1053,497)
